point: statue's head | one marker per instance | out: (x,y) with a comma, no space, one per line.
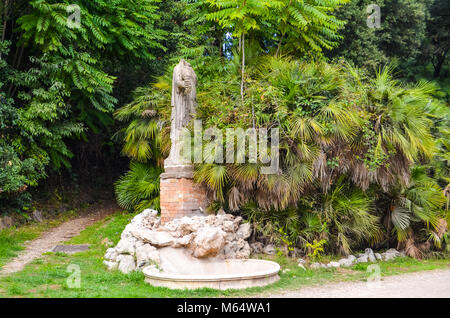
(188,76)
(185,63)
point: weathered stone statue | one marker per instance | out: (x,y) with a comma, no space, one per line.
(183,102)
(179,194)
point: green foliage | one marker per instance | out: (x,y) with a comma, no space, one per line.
(363,156)
(314,104)
(273,226)
(138,189)
(344,137)
(58,78)
(113,29)
(437,43)
(349,215)
(241,16)
(142,136)
(51,270)
(316,249)
(19,168)
(415,213)
(296,25)
(359,45)
(131,31)
(342,217)
(303,25)
(400,35)
(143,139)
(306,26)
(413,33)
(288,243)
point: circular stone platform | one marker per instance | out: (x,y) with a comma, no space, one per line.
(226,274)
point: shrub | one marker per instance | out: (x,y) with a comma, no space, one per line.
(138,189)
(346,139)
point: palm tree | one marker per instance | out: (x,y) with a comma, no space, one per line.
(138,189)
(146,143)
(342,135)
(405,209)
(396,130)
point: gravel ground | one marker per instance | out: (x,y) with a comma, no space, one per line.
(429,284)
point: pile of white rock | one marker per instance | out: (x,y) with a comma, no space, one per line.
(367,256)
(222,236)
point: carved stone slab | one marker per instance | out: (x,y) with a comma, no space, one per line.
(70,249)
(178,172)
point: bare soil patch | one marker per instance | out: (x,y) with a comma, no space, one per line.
(427,284)
(62,233)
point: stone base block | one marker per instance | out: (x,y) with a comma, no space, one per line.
(181,197)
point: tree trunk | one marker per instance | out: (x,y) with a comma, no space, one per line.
(279,45)
(253,115)
(5,8)
(438,65)
(4,22)
(282,36)
(243,68)
(239,46)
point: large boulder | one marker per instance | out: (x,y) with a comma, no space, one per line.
(146,255)
(156,238)
(237,250)
(390,254)
(346,262)
(6,222)
(334,264)
(393,251)
(111,265)
(270,250)
(127,231)
(208,242)
(184,241)
(315,266)
(126,263)
(244,251)
(257,247)
(370,255)
(362,259)
(213,236)
(126,246)
(188,225)
(111,254)
(244,231)
(229,226)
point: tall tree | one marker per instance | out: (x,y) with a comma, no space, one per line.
(437,45)
(61,76)
(241,16)
(305,26)
(401,33)
(299,26)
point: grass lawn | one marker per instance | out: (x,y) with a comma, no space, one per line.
(12,240)
(48,275)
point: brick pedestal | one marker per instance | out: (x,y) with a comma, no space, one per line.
(180,196)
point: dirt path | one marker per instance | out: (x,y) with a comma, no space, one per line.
(50,239)
(430,284)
